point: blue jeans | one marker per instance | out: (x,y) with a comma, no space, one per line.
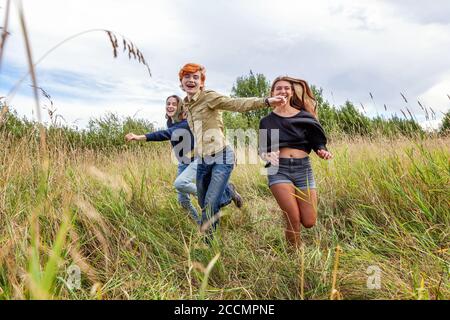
(185,187)
(213,174)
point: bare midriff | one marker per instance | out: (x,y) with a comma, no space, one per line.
(292,153)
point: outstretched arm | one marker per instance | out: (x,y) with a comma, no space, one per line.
(134,137)
(162,135)
(218,101)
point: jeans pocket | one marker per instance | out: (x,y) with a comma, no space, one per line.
(229,156)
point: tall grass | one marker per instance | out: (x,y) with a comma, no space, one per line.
(105,133)
(111,211)
(115,215)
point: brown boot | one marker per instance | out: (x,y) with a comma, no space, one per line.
(235,196)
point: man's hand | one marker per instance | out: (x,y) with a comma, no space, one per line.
(277,101)
(324,154)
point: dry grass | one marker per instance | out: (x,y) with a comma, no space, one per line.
(131,240)
(115,216)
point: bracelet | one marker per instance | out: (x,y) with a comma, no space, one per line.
(266,102)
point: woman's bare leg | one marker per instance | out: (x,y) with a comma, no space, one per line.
(284,194)
(307,203)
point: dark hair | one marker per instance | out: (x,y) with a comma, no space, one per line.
(179,112)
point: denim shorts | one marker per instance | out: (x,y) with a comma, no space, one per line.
(297,171)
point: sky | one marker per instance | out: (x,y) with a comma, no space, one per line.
(350,49)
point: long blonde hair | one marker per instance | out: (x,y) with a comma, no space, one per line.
(302,98)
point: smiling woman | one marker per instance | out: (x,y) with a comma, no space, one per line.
(287,136)
(182,141)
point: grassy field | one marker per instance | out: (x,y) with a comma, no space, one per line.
(111,216)
(383,205)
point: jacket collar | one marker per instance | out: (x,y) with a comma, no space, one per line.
(194,98)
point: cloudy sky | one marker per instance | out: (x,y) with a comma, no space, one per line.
(346,47)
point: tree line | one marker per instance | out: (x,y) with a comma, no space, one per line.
(336,120)
(107,132)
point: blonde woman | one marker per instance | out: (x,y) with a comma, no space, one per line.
(287,136)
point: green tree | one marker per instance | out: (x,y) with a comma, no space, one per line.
(327,113)
(445,126)
(345,119)
(252,85)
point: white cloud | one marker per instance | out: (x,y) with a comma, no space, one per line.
(434,12)
(348,48)
(437,101)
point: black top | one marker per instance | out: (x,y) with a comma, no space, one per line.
(180,137)
(301,131)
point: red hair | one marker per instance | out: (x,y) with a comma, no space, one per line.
(192,68)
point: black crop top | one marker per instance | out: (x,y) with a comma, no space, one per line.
(301,131)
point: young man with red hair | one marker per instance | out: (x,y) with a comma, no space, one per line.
(215,157)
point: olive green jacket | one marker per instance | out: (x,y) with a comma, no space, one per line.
(204,114)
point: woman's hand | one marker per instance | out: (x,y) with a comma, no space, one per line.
(273,158)
(132,137)
(324,154)
(277,101)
